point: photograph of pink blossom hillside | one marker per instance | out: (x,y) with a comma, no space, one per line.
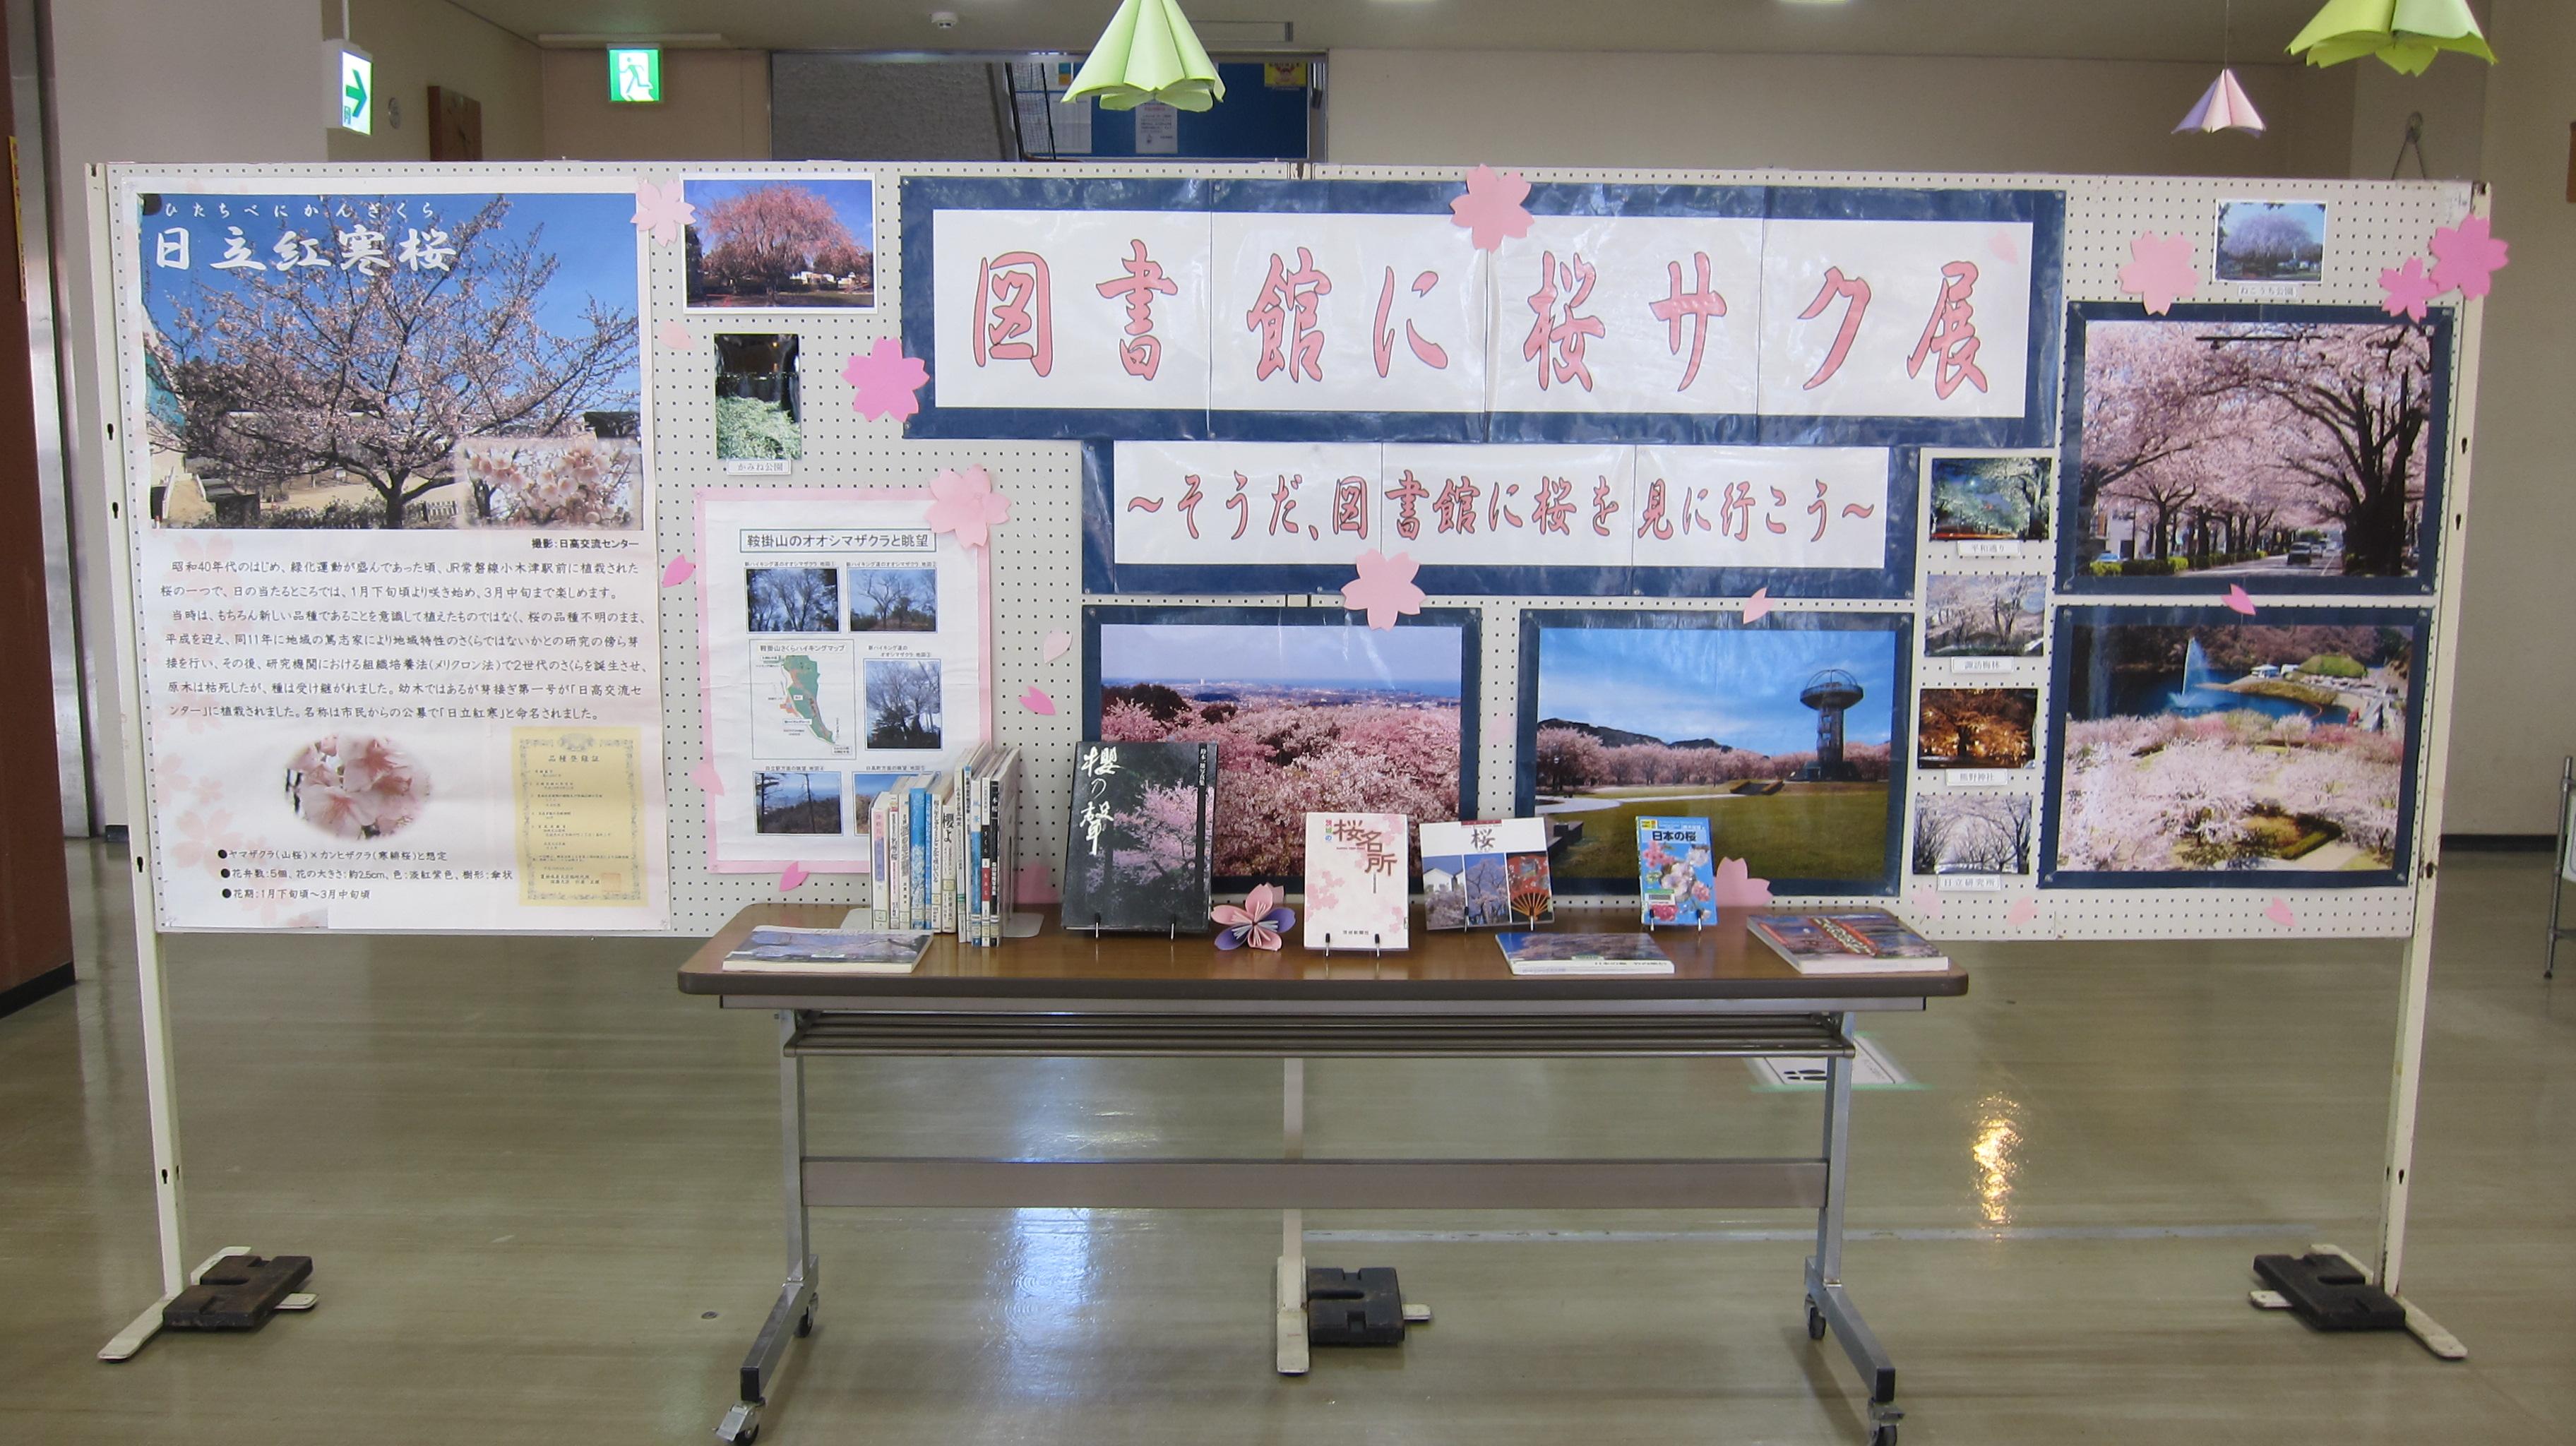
(1780,736)
(2235,747)
(1305,718)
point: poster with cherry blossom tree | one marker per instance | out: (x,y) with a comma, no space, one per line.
(393,555)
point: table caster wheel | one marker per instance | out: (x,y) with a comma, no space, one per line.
(805,1322)
(740,1427)
(1816,1332)
(1883,1434)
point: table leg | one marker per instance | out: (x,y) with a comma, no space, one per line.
(1829,1305)
(793,1315)
(1290,1301)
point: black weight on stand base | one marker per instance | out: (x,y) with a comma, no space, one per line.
(237,1293)
(1363,1307)
(2330,1293)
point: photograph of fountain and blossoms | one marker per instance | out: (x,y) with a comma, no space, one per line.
(2236,746)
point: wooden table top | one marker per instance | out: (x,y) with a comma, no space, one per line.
(1716,963)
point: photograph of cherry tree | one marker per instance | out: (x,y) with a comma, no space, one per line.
(324,361)
(1309,712)
(1976,727)
(1978,497)
(1973,833)
(2271,240)
(2196,742)
(2221,444)
(1970,616)
(791,242)
(1780,734)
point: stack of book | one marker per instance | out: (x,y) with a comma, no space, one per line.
(940,847)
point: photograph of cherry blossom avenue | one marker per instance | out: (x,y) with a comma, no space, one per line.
(2218,448)
(392,361)
(1973,833)
(2235,746)
(1306,717)
(1780,735)
(1992,499)
(771,242)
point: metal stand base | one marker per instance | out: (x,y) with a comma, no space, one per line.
(2426,1331)
(791,1318)
(129,1342)
(1829,1307)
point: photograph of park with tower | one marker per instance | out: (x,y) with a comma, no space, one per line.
(1780,734)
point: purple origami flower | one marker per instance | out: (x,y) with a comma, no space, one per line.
(1259,923)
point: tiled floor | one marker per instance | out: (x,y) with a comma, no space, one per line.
(540,1186)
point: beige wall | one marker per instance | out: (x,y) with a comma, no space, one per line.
(145,80)
(1825,112)
(420,43)
(717,109)
(2516,712)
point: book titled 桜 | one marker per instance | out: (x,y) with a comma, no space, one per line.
(1486,873)
(1676,872)
(1359,880)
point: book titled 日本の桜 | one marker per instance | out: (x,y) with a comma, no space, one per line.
(1138,855)
(1358,880)
(1676,876)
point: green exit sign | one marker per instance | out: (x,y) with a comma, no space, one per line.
(352,78)
(635,73)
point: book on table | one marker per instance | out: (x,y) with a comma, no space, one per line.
(1487,873)
(1138,856)
(779,949)
(1676,872)
(1584,954)
(1358,880)
(1853,941)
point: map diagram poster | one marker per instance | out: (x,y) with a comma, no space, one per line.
(845,646)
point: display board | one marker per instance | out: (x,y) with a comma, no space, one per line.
(1686,450)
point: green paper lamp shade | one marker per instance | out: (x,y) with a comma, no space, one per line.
(2404,34)
(1148,53)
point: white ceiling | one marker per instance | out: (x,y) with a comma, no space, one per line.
(2074,29)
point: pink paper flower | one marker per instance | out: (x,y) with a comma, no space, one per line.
(1037,700)
(1257,923)
(2023,911)
(966,504)
(2238,600)
(2160,271)
(1738,889)
(1927,901)
(2466,256)
(2279,912)
(883,380)
(659,210)
(707,779)
(675,336)
(1384,588)
(2406,288)
(678,571)
(1491,210)
(792,878)
(1758,605)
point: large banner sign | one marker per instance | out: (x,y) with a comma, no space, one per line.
(393,560)
(1338,310)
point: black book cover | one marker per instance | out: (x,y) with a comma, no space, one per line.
(1138,858)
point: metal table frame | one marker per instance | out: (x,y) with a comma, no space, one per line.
(843,1026)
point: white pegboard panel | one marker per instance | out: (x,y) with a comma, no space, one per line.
(1036,557)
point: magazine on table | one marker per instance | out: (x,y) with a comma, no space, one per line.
(1858,941)
(1584,954)
(778,949)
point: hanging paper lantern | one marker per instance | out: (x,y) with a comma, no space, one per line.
(2223,107)
(2406,34)
(1148,53)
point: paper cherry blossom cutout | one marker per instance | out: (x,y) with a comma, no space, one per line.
(2467,256)
(2406,288)
(1757,606)
(1384,588)
(678,571)
(675,336)
(2023,911)
(707,779)
(792,878)
(1738,889)
(883,380)
(2238,601)
(1927,900)
(1058,643)
(1258,923)
(660,211)
(2160,271)
(2279,912)
(966,504)
(1492,210)
(1036,700)
(1036,886)
(2001,243)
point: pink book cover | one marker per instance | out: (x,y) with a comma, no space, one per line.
(1359,880)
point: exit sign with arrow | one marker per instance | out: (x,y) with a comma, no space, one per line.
(351,74)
